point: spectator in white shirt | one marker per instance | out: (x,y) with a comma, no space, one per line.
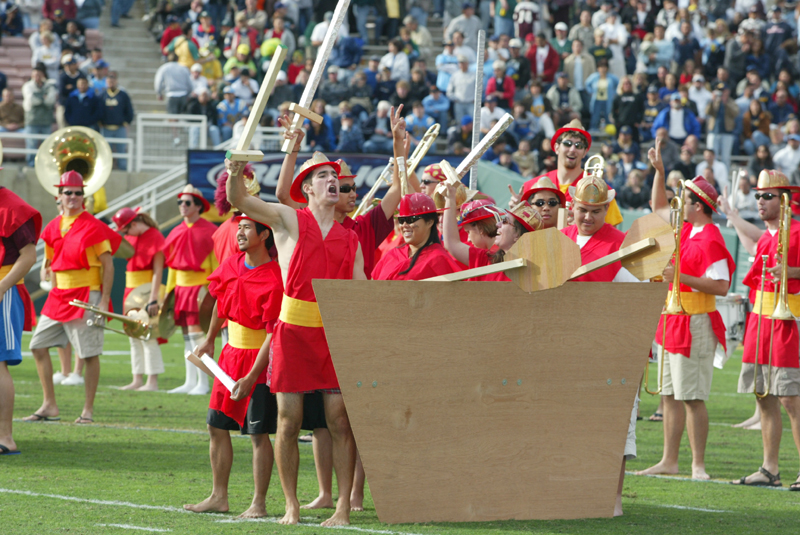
(396,61)
(719,168)
(461,89)
(490,113)
(460,49)
(787,160)
(700,95)
(245,88)
(466,23)
(49,54)
(199,82)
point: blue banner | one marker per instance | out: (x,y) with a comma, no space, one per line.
(204,166)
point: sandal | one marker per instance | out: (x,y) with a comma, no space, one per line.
(773,480)
(656,417)
(84,420)
(796,485)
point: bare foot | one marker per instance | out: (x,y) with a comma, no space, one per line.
(44,412)
(356,501)
(338,519)
(133,386)
(323,501)
(256,510)
(212,504)
(660,468)
(618,507)
(699,472)
(754,427)
(292,515)
(756,418)
(147,388)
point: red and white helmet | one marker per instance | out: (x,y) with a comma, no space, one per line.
(477,210)
(416,204)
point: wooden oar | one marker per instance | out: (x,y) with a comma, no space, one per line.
(616,256)
(651,262)
(480,271)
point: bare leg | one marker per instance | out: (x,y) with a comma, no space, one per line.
(136,384)
(357,494)
(151,385)
(344,456)
(6,407)
(287,454)
(658,416)
(79,364)
(45,370)
(618,504)
(753,420)
(90,387)
(697,429)
(674,422)
(263,458)
(323,462)
(792,406)
(220,451)
(65,356)
(771,430)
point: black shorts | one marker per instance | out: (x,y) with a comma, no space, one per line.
(261,418)
(314,411)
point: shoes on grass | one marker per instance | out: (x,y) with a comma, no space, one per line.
(73,380)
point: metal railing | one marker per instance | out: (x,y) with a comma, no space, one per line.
(265,139)
(162,139)
(10,149)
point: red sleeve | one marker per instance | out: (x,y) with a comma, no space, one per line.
(550,65)
(478,257)
(165,39)
(531,57)
(508,90)
(491,85)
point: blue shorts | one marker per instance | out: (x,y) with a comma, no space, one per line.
(12,319)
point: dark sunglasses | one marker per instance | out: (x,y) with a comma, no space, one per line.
(346,188)
(71,193)
(186,203)
(765,196)
(580,145)
(550,202)
(410,220)
(428,182)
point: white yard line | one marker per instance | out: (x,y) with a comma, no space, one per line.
(686,508)
(128,526)
(717,481)
(314,525)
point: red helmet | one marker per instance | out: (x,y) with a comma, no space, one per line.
(70,179)
(416,204)
(125,217)
(476,210)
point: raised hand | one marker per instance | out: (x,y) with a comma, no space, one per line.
(289,134)
(515,197)
(234,168)
(398,123)
(654,155)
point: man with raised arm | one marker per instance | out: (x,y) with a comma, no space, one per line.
(311,245)
(692,339)
(784,377)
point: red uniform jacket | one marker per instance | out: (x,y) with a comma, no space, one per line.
(551,63)
(185,250)
(432,261)
(252,298)
(145,246)
(69,253)
(301,360)
(14,212)
(479,258)
(697,255)
(785,341)
(225,243)
(604,242)
(372,228)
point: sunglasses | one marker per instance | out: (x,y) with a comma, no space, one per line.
(577,144)
(71,193)
(552,203)
(428,182)
(346,188)
(185,203)
(410,220)
(765,196)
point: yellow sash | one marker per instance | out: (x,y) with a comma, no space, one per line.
(302,313)
(697,302)
(190,278)
(242,337)
(79,278)
(134,279)
(5,270)
(769,303)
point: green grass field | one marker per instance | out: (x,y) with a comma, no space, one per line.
(147,455)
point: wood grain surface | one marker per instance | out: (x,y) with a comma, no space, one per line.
(649,263)
(552,258)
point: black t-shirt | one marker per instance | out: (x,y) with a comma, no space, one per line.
(21,237)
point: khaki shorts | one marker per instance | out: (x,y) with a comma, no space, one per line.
(690,378)
(87,341)
(630,442)
(783,381)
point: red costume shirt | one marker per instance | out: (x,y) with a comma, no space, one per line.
(20,225)
(69,254)
(140,265)
(372,228)
(224,237)
(785,338)
(250,297)
(301,360)
(432,261)
(698,253)
(481,257)
(605,241)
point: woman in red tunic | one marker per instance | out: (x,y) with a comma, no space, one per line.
(146,266)
(491,230)
(546,198)
(422,256)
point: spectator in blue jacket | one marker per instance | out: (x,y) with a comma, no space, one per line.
(116,113)
(230,111)
(679,121)
(418,122)
(11,22)
(83,106)
(437,106)
(351,138)
(504,160)
(602,86)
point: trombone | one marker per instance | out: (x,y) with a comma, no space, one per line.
(780,297)
(674,307)
(416,157)
(132,325)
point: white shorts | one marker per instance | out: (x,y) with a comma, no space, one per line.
(87,341)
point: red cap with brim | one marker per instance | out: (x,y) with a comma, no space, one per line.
(125,217)
(474,211)
(70,179)
(296,192)
(415,204)
(564,129)
(206,204)
(530,191)
(239,217)
(704,190)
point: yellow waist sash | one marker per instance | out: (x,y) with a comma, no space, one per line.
(302,313)
(242,337)
(697,302)
(5,270)
(769,303)
(79,278)
(134,279)
(191,278)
